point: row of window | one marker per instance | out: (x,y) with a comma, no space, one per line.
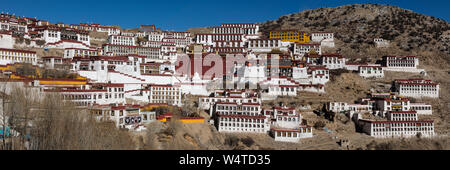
(226,119)
(245,108)
(241,129)
(402,65)
(421,107)
(164,98)
(288,119)
(228,31)
(419,89)
(228,50)
(412,133)
(229,100)
(244,125)
(165,93)
(372,72)
(165,89)
(92,96)
(122,42)
(402,129)
(18,59)
(404,118)
(247,113)
(401,124)
(282,89)
(17,54)
(292,134)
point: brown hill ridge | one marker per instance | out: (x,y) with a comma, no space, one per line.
(355,27)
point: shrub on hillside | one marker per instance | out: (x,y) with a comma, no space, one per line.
(248,141)
(231,141)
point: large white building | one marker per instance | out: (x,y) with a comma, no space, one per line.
(319,74)
(326,39)
(399,124)
(76,52)
(13,24)
(122,40)
(154,36)
(89,95)
(332,61)
(229,37)
(234,96)
(401,64)
(279,87)
(97,28)
(342,107)
(301,49)
(400,61)
(367,71)
(395,103)
(169,94)
(267,45)
(124,116)
(11,56)
(319,36)
(54,34)
(287,124)
(151,53)
(381,103)
(248,29)
(417,88)
(292,135)
(180,38)
(240,117)
(128,64)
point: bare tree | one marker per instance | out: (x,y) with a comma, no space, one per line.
(54,124)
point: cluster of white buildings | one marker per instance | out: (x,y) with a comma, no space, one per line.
(267,45)
(110,30)
(398,117)
(240,111)
(380,104)
(417,88)
(161,67)
(399,124)
(156,46)
(127,116)
(286,124)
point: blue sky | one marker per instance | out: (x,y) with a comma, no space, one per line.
(183,14)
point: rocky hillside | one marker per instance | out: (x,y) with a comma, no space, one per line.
(355,27)
(410,33)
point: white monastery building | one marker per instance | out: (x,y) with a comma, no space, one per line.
(367,71)
(400,124)
(417,88)
(326,39)
(11,56)
(267,45)
(122,40)
(287,125)
(301,49)
(240,117)
(332,61)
